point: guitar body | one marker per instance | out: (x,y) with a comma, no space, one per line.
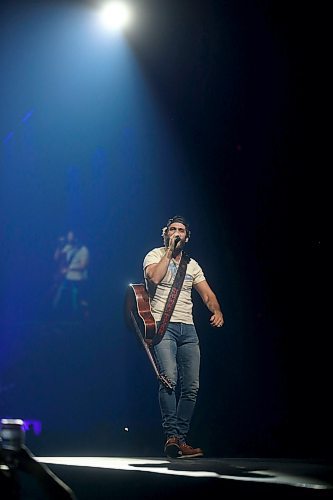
(137,303)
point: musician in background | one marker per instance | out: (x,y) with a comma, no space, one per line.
(178,352)
(71,294)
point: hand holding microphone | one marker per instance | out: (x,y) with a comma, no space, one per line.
(173,242)
(176,241)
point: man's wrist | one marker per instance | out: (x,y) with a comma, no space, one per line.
(168,253)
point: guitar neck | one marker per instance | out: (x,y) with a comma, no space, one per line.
(150,356)
(165,381)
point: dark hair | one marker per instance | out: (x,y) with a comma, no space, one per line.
(177,218)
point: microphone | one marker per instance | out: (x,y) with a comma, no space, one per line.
(177,240)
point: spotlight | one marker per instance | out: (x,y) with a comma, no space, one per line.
(115,16)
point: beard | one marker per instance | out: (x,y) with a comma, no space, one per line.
(180,244)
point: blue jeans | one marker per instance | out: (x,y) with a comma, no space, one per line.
(178,358)
(68,298)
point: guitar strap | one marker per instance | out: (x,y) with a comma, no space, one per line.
(172,298)
(76,250)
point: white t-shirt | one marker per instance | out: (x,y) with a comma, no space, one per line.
(76,257)
(183,309)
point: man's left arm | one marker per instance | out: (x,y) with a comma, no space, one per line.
(210,300)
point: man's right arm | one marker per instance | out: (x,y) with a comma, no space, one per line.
(57,253)
(60,252)
(156,272)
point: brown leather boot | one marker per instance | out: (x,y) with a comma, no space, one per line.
(188,452)
(172,448)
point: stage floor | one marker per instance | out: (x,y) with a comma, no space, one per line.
(101,478)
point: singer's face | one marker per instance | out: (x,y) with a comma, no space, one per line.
(178,229)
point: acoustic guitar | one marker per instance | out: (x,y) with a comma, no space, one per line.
(139,318)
